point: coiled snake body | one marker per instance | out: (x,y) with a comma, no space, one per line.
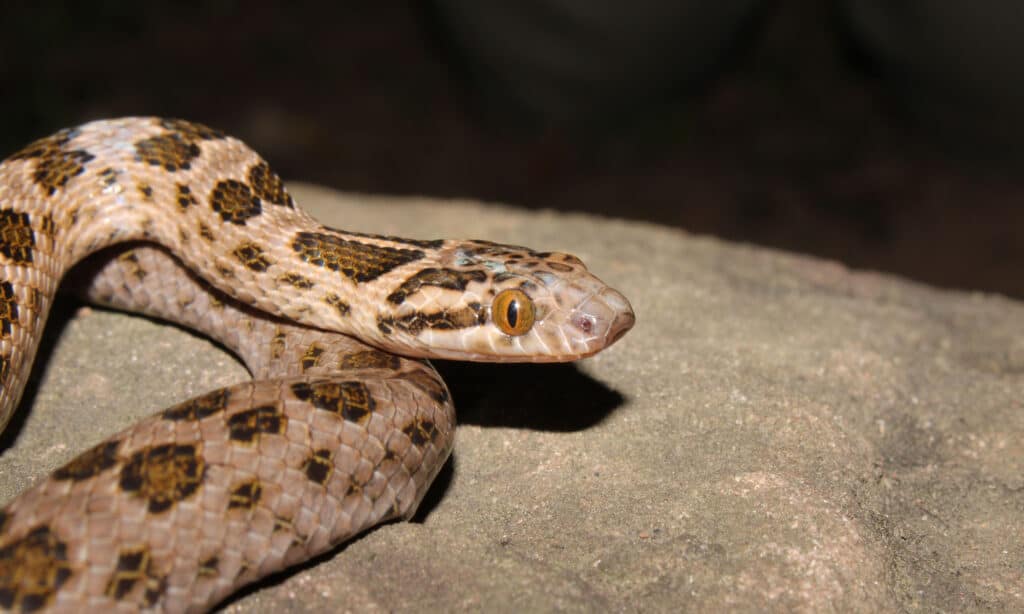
(341,428)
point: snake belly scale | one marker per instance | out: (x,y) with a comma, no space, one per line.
(343,426)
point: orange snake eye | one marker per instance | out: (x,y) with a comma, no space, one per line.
(513,312)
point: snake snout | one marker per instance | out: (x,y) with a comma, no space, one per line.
(604,317)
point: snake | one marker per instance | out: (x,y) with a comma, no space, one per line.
(344,424)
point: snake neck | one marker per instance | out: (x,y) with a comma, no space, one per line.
(207,198)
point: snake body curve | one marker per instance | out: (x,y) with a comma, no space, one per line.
(342,427)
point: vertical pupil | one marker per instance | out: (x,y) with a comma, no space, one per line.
(512,314)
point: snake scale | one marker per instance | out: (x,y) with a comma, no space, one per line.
(343,426)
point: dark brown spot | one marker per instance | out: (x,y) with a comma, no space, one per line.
(359,262)
(414,323)
(16,237)
(199,407)
(206,233)
(54,164)
(420,431)
(247,426)
(234,201)
(145,190)
(319,466)
(251,255)
(335,301)
(208,567)
(296,281)
(108,177)
(185,197)
(277,344)
(163,475)
(36,303)
(130,263)
(283,524)
(268,186)
(89,463)
(312,356)
(47,226)
(246,495)
(350,400)
(451,279)
(369,359)
(170,152)
(32,570)
(8,309)
(135,569)
(561,268)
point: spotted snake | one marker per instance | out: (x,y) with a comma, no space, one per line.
(343,426)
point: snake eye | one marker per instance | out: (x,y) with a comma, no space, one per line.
(512,311)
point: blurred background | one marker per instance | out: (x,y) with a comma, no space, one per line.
(886,135)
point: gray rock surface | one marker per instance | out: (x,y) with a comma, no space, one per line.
(777,433)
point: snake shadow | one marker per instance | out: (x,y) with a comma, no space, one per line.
(542,397)
(57,320)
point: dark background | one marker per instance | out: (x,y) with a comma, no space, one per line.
(794,142)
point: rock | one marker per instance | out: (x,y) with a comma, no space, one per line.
(777,433)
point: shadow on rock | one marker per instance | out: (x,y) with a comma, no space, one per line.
(551,397)
(60,314)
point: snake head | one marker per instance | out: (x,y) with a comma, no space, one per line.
(490,302)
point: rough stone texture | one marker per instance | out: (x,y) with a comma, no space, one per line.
(777,433)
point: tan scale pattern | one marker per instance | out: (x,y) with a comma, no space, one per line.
(338,431)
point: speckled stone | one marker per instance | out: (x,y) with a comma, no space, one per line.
(776,434)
